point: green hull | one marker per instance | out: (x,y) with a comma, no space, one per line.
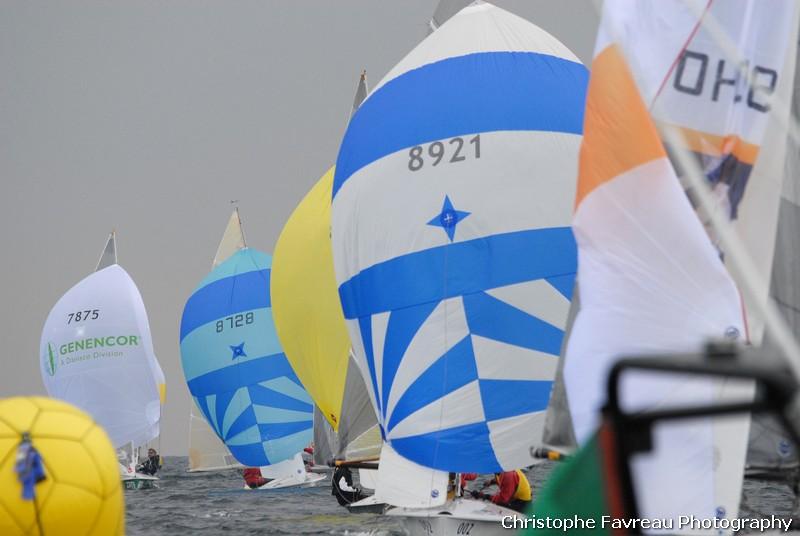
(140,483)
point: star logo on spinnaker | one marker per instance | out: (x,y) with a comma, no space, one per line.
(238,351)
(448,218)
(50,360)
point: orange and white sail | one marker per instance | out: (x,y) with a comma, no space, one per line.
(649,278)
(719,74)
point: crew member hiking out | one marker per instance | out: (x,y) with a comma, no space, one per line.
(514,492)
(342,486)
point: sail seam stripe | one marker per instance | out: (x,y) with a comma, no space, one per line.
(470,94)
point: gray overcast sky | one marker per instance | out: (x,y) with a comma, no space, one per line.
(149,116)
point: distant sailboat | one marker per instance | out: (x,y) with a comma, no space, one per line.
(207,452)
(455,261)
(98,354)
(109,258)
(236,371)
(310,323)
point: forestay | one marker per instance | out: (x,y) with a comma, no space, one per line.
(96,353)
(234,366)
(452,248)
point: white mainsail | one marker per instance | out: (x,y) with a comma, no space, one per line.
(109,255)
(232,239)
(358,436)
(98,355)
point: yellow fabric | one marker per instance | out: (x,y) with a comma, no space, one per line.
(162,393)
(523,492)
(305,301)
(82,492)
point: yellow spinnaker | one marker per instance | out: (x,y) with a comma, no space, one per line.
(305,301)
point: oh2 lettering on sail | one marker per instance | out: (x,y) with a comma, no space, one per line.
(701,75)
(449,151)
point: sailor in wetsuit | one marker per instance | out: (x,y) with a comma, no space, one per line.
(514,492)
(151,465)
(252,477)
(342,486)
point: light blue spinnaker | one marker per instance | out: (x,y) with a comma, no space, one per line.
(235,368)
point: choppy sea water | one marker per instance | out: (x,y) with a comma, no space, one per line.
(205,504)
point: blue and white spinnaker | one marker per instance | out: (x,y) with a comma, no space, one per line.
(235,368)
(453,252)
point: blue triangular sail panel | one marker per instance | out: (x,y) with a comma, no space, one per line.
(229,350)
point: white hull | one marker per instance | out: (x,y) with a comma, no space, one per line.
(139,481)
(290,481)
(459,517)
(368,505)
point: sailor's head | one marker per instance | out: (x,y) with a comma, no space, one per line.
(151,452)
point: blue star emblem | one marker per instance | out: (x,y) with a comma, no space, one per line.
(448,218)
(238,351)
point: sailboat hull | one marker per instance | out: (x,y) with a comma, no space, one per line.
(312,479)
(139,481)
(458,517)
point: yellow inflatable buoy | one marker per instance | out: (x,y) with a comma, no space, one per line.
(80,493)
